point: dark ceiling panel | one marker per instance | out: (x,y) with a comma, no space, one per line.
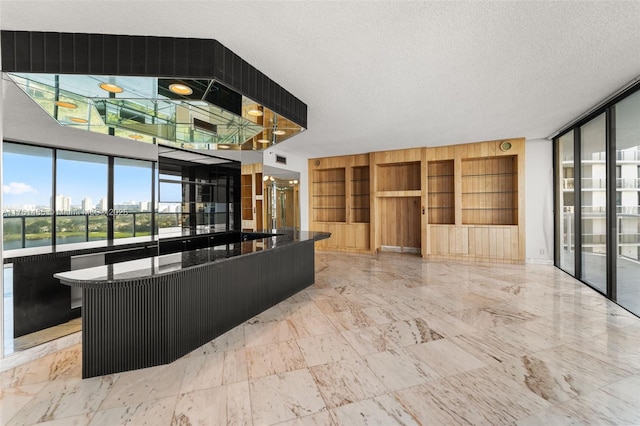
(76,53)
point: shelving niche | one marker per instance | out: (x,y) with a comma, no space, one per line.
(490,191)
(441,192)
(329,195)
(398,177)
(360,195)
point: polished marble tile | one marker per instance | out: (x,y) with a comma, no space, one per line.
(64,398)
(235,366)
(445,358)
(203,372)
(492,316)
(561,374)
(323,418)
(300,309)
(145,385)
(200,406)
(157,411)
(13,399)
(480,396)
(271,332)
(284,396)
(310,326)
(345,382)
(399,369)
(390,339)
(553,416)
(383,410)
(602,408)
(274,358)
(352,319)
(325,348)
(411,332)
(369,340)
(385,314)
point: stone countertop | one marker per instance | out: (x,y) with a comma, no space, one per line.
(119,274)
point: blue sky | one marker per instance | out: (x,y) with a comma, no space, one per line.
(27,181)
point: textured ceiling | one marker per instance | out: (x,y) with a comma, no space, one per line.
(395,74)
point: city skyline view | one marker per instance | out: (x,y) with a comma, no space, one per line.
(27,182)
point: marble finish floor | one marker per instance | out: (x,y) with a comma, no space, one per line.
(387,340)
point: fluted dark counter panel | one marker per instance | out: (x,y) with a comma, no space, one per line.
(156,319)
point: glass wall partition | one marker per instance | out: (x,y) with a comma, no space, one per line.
(132,198)
(565,199)
(593,195)
(599,243)
(627,144)
(55,196)
(27,188)
(81,197)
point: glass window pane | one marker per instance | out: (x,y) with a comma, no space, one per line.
(27,184)
(132,188)
(565,218)
(627,131)
(594,196)
(81,186)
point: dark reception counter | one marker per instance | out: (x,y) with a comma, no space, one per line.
(154,310)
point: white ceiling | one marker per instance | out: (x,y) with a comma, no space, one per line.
(395,74)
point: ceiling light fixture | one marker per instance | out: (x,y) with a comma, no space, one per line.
(255,112)
(223,147)
(264,141)
(180,89)
(135,136)
(279,132)
(79,120)
(64,104)
(111,88)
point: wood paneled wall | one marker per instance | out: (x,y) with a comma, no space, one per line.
(452,202)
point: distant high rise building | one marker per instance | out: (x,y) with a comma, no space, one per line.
(145,206)
(102,205)
(87,204)
(63,203)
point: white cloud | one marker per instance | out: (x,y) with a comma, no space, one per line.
(17,188)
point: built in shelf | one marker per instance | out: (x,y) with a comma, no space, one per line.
(441,205)
(490,191)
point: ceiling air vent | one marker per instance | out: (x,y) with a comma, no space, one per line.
(280,159)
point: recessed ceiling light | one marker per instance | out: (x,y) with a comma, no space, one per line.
(79,120)
(264,141)
(64,104)
(135,136)
(180,89)
(111,88)
(223,146)
(255,112)
(279,132)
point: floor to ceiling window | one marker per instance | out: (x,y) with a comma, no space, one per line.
(565,199)
(599,242)
(593,173)
(627,140)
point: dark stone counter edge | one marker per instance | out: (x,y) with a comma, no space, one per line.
(281,241)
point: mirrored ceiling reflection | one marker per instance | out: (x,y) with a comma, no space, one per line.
(188,113)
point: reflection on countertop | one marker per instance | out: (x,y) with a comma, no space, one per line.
(98,277)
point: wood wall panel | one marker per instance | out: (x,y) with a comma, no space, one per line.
(339,201)
(403,201)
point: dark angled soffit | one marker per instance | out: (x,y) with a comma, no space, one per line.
(145,56)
